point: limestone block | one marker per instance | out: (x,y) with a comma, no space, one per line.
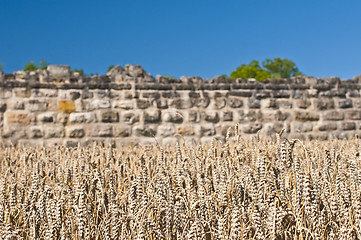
(304,116)
(211,116)
(2,105)
(143,104)
(282,116)
(59,72)
(21,75)
(269,103)
(130,117)
(327,126)
(254,103)
(220,102)
(109,116)
(99,130)
(82,117)
(303,103)
(152,95)
(251,128)
(153,116)
(46,117)
(353,115)
(134,70)
(74,131)
(35,131)
(36,105)
(205,130)
(301,126)
(185,130)
(324,104)
(284,103)
(347,126)
(62,118)
(173,116)
(249,116)
(171,141)
(16,104)
(144,131)
(276,127)
(100,104)
(122,131)
(333,115)
(123,104)
(162,103)
(66,106)
(181,103)
(227,116)
(235,102)
(200,102)
(22,118)
(21,92)
(345,103)
(54,131)
(166,130)
(41,92)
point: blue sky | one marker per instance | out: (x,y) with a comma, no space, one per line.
(191,38)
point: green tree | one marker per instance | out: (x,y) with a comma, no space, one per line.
(252,70)
(283,68)
(110,67)
(31,66)
(43,65)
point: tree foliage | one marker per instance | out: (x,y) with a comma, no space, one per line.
(31,66)
(271,68)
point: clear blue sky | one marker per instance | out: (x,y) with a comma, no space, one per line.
(191,38)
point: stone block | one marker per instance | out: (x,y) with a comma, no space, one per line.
(166,130)
(41,92)
(247,94)
(345,103)
(109,116)
(130,117)
(262,94)
(153,95)
(35,131)
(185,130)
(123,104)
(193,94)
(303,103)
(162,103)
(220,102)
(205,130)
(66,106)
(122,131)
(353,115)
(301,126)
(193,116)
(273,128)
(251,128)
(254,103)
(21,92)
(282,116)
(171,141)
(144,131)
(22,118)
(59,72)
(269,103)
(347,126)
(84,117)
(180,103)
(152,116)
(200,102)
(54,131)
(16,104)
(333,115)
(212,117)
(169,94)
(100,104)
(284,103)
(46,117)
(235,102)
(173,116)
(281,94)
(249,116)
(304,116)
(36,105)
(327,126)
(75,131)
(2,105)
(99,130)
(143,104)
(324,104)
(228,116)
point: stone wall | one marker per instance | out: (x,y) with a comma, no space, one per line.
(128,105)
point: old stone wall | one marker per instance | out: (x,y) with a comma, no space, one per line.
(128,105)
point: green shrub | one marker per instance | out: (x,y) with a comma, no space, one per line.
(81,71)
(31,66)
(110,67)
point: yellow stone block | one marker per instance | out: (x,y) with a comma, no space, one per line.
(66,106)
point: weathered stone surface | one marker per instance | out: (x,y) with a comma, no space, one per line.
(273,128)
(75,131)
(21,92)
(212,117)
(35,105)
(249,116)
(54,131)
(228,116)
(162,103)
(84,117)
(16,104)
(123,104)
(66,106)
(281,94)
(181,103)
(282,116)
(193,116)
(145,131)
(2,105)
(22,118)
(59,72)
(153,95)
(46,117)
(251,128)
(185,130)
(345,103)
(130,117)
(100,104)
(220,102)
(328,126)
(166,130)
(173,116)
(36,93)
(152,116)
(254,103)
(333,115)
(353,115)
(302,126)
(235,102)
(109,116)
(346,126)
(200,102)
(205,130)
(284,103)
(35,132)
(323,104)
(97,130)
(303,103)
(306,116)
(143,104)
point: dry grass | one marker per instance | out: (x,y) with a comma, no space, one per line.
(257,189)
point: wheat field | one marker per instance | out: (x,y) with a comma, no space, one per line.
(271,188)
